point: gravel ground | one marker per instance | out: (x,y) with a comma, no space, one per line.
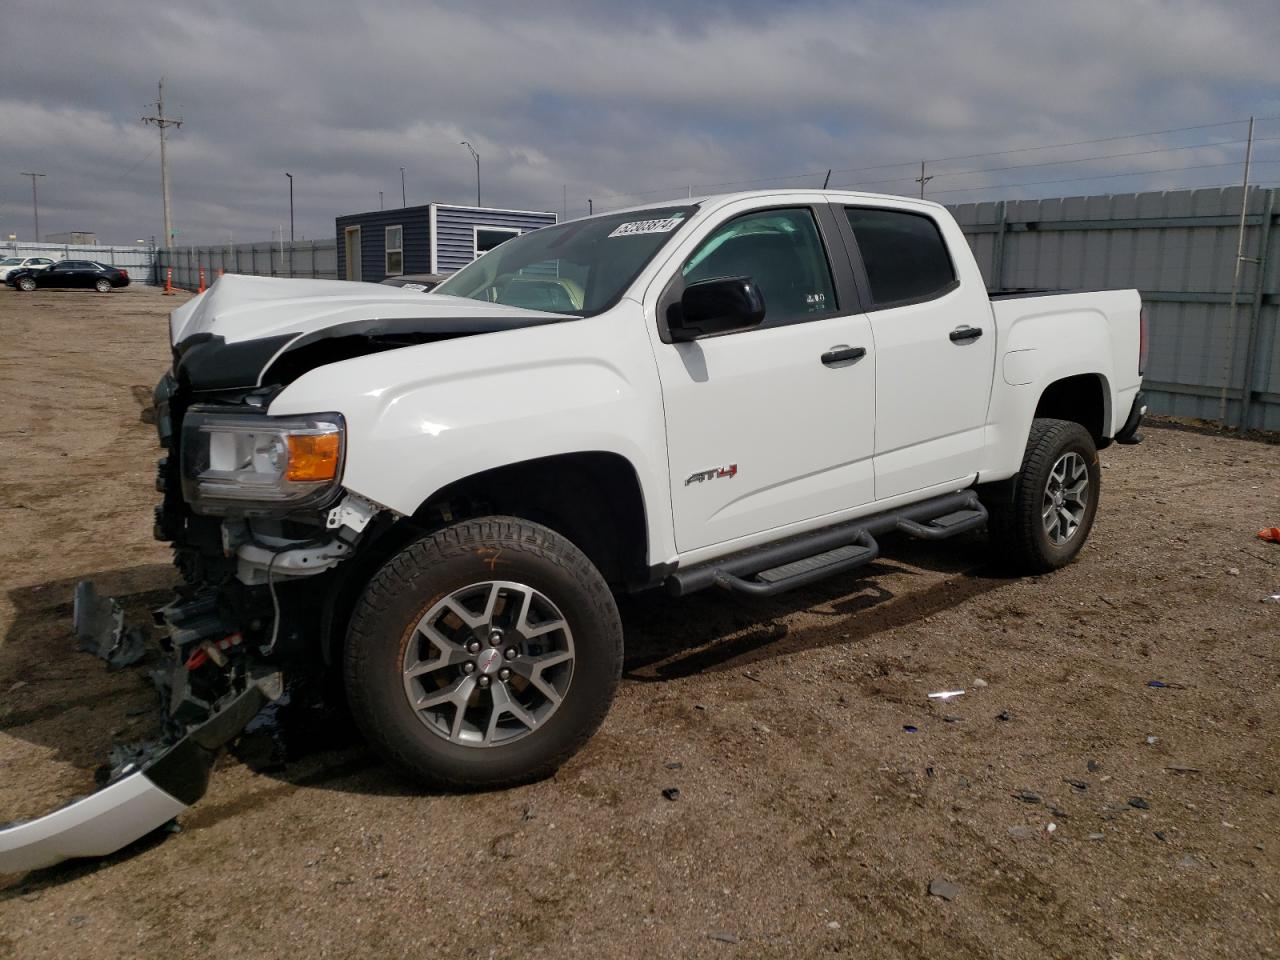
(1062,807)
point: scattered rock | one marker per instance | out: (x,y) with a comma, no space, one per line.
(1023,832)
(1097,836)
(833,924)
(951,718)
(674,765)
(1026,796)
(17,686)
(1051,827)
(1093,766)
(1188,862)
(940,887)
(671,793)
(908,728)
(1077,784)
(1233,571)
(31,896)
(722,936)
(1161,837)
(78,920)
(1181,768)
(381,874)
(1152,741)
(1139,804)
(979,682)
(528,813)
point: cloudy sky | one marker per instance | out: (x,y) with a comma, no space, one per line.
(622,102)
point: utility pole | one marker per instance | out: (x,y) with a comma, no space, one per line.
(1235,288)
(290,176)
(379,199)
(163,122)
(922,179)
(403,201)
(35,201)
(476,157)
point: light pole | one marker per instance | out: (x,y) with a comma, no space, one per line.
(290,176)
(476,157)
(35,201)
(379,199)
(403,201)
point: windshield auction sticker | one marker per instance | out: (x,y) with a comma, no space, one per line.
(647,226)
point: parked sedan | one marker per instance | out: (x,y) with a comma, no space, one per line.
(74,274)
(13,264)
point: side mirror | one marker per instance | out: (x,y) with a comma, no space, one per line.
(719,305)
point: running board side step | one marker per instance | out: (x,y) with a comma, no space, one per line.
(798,561)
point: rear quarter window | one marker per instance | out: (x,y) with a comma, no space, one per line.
(904,255)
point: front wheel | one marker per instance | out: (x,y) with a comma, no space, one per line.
(1042,517)
(483,655)
(26,284)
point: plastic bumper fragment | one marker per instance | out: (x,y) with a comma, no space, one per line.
(142,799)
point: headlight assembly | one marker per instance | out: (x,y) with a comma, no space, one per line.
(247,465)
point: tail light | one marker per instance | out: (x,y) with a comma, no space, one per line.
(1144,340)
(123,272)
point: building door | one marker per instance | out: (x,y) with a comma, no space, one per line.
(351,239)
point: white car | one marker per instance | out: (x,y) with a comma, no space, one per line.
(438,495)
(9,264)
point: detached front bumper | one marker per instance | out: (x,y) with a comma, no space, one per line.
(143,798)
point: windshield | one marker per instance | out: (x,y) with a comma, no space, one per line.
(9,261)
(578,268)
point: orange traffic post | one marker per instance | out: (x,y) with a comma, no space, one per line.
(168,282)
(201,290)
(219,271)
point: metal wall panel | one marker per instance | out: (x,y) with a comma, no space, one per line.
(1177,248)
(138,260)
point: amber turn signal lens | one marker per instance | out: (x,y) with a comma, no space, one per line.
(313,456)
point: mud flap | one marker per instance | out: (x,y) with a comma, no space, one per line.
(140,799)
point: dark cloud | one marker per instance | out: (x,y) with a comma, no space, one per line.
(609,99)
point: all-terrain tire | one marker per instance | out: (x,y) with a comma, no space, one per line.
(1017,525)
(414,582)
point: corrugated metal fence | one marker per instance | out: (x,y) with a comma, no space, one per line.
(1179,250)
(317,259)
(138,260)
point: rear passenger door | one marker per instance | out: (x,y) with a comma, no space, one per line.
(935,347)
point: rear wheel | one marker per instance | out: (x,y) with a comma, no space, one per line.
(26,284)
(1044,515)
(102,285)
(484,655)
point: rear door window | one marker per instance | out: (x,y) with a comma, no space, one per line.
(904,255)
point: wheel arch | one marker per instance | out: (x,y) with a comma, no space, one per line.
(592,498)
(1082,398)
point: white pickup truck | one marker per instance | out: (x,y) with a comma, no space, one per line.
(439,495)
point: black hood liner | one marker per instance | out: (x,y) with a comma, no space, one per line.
(205,361)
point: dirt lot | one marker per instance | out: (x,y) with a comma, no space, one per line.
(1079,811)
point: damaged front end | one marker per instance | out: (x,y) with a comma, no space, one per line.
(257,517)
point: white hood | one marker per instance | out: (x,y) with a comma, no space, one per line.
(240,308)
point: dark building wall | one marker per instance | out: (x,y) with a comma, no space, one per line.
(455,230)
(416,226)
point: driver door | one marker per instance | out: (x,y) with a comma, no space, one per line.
(773,425)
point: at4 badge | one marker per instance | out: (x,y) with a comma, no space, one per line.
(730,471)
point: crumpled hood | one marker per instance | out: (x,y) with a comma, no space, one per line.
(239,308)
(248,331)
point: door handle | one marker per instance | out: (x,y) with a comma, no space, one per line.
(965,334)
(842,354)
